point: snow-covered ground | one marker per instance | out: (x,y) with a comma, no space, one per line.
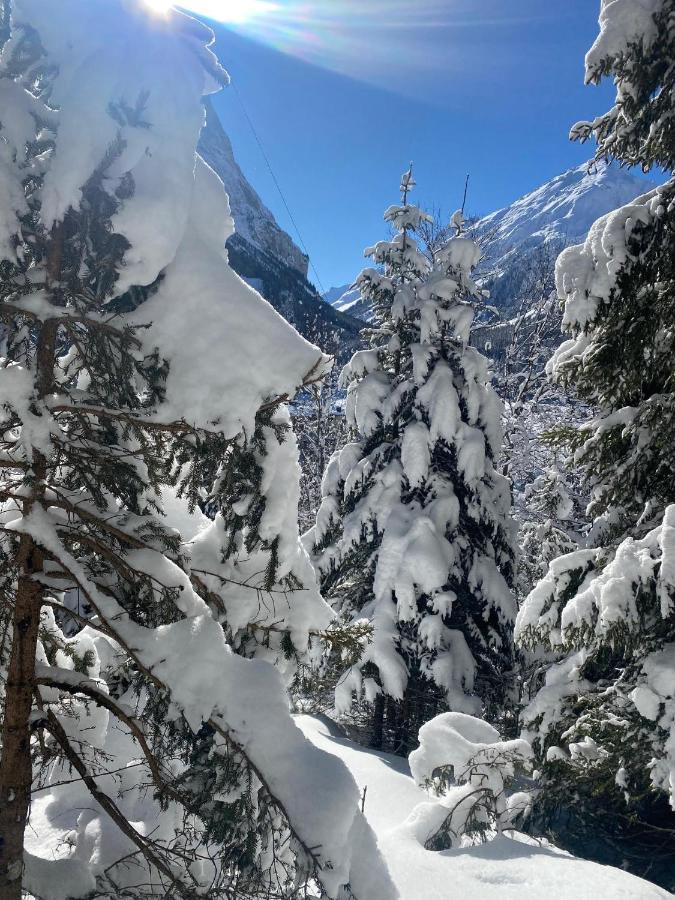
(507,868)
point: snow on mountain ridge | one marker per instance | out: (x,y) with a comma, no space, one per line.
(577,196)
(334,295)
(348,299)
(563,209)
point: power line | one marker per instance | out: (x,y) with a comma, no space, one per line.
(276,182)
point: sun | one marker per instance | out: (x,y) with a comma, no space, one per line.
(161,7)
(235,12)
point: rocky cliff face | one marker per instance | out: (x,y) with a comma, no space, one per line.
(266,256)
(253,220)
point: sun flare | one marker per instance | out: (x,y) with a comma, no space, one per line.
(158,6)
(356,38)
(234,12)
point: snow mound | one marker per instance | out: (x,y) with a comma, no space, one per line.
(506,868)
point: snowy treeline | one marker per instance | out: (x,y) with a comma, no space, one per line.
(486,589)
(590,674)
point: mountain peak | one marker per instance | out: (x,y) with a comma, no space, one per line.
(564,207)
(560,211)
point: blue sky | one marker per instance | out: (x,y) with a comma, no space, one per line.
(489,87)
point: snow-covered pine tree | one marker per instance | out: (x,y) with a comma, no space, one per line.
(319,422)
(549,530)
(414,533)
(151,759)
(604,720)
(472,772)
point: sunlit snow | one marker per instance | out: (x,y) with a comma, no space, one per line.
(509,867)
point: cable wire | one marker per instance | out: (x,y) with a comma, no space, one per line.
(276,182)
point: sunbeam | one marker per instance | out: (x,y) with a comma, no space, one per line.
(389,43)
(230,12)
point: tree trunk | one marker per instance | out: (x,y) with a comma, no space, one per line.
(402,733)
(378,723)
(390,724)
(16,771)
(15,765)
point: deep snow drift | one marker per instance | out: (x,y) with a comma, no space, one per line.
(507,868)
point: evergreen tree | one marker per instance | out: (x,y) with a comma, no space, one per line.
(170,764)
(413,533)
(548,531)
(472,772)
(604,718)
(319,422)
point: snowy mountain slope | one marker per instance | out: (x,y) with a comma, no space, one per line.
(507,868)
(266,256)
(347,299)
(559,212)
(566,206)
(335,294)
